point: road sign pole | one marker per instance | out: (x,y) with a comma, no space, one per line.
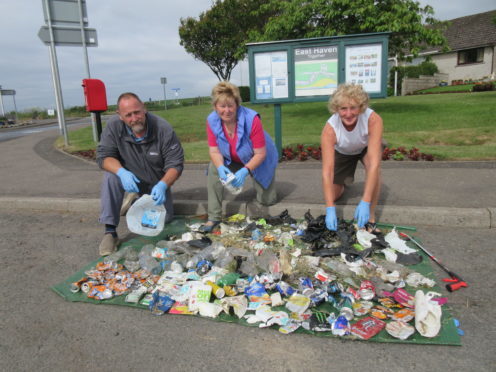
(96,136)
(1,102)
(56,79)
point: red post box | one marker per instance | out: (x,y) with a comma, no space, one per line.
(95,95)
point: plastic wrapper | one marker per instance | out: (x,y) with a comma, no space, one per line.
(257,295)
(199,292)
(400,330)
(395,242)
(209,309)
(239,304)
(298,303)
(268,317)
(367,327)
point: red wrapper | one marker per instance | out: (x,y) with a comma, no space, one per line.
(367,327)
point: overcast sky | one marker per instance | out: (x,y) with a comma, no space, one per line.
(138,43)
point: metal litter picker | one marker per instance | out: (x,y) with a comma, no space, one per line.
(456,282)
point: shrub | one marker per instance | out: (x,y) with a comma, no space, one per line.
(482,87)
(245,93)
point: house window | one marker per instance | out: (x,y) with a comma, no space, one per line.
(471,56)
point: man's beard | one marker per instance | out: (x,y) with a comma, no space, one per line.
(138,127)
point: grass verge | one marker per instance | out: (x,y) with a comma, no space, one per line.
(459,126)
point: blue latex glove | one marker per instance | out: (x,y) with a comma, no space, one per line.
(239,181)
(331,219)
(362,213)
(129,180)
(223,171)
(158,192)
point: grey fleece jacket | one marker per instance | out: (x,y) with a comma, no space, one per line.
(149,159)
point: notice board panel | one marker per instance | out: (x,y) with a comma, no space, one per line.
(307,70)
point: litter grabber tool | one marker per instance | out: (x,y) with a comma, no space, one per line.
(456,282)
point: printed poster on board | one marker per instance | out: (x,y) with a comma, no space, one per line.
(316,70)
(271,75)
(363,66)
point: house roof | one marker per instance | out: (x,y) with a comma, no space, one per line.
(473,31)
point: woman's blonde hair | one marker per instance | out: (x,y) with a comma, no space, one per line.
(346,93)
(225,90)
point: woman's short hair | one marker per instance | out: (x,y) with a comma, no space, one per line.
(225,90)
(345,93)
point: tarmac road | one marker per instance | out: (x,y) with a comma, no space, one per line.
(42,243)
(41,331)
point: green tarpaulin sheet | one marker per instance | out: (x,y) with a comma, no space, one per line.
(447,336)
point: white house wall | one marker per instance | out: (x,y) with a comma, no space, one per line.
(447,63)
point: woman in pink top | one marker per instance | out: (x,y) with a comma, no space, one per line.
(238,147)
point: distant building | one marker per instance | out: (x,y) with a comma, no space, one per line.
(472,41)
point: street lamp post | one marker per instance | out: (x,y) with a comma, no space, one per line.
(163,80)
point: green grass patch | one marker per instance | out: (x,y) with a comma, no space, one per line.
(448,89)
(459,126)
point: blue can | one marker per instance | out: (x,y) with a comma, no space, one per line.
(285,289)
(318,296)
(306,286)
(203,267)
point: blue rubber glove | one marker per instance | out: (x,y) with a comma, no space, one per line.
(362,213)
(239,181)
(331,219)
(129,180)
(158,192)
(223,171)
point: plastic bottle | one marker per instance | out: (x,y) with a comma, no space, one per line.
(131,261)
(147,262)
(116,256)
(204,254)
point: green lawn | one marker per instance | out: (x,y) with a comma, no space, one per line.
(458,126)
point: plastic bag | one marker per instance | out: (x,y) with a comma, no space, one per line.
(146,218)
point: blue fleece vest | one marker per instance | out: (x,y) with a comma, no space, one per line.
(244,148)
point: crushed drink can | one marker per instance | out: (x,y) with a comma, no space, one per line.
(335,287)
(203,267)
(241,285)
(76,286)
(306,286)
(318,296)
(341,326)
(354,292)
(367,290)
(346,309)
(230,290)
(285,289)
(322,276)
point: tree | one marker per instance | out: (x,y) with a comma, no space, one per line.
(412,26)
(219,35)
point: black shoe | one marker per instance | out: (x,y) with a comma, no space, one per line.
(208,227)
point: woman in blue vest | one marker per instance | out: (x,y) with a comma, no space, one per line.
(238,145)
(353,133)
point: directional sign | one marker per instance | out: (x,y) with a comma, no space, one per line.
(68,36)
(65,11)
(7,92)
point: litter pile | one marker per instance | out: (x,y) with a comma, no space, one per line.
(281,273)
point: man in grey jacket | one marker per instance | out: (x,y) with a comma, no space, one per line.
(140,153)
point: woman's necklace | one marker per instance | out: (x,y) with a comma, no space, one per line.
(230,130)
